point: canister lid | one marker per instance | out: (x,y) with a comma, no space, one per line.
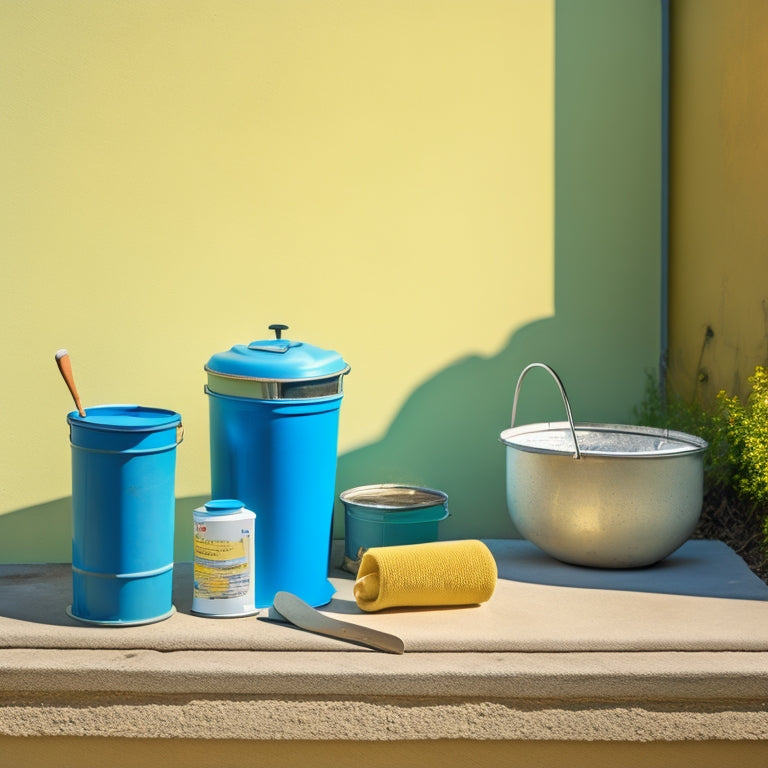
(223,506)
(277,359)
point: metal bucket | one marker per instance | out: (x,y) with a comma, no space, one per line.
(602,495)
(123,503)
(387,515)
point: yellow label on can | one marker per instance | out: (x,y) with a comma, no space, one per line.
(221,568)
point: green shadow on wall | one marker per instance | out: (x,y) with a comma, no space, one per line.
(605,335)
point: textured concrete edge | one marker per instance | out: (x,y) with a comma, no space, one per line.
(703,676)
(366,720)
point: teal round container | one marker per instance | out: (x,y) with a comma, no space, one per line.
(387,515)
(123,508)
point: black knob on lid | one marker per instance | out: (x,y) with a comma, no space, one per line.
(278,328)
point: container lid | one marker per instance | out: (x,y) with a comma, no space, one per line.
(223,506)
(389,496)
(277,359)
(125,418)
(605,440)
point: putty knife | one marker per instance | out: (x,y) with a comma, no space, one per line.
(294,610)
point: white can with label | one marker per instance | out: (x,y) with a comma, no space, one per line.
(224,560)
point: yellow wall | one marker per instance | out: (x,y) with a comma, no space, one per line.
(719,188)
(179,174)
(441,190)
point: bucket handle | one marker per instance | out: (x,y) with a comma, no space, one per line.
(561,387)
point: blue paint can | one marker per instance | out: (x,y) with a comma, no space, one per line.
(274,419)
(123,505)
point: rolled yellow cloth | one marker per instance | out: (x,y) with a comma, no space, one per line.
(439,573)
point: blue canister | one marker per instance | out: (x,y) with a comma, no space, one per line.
(123,504)
(274,422)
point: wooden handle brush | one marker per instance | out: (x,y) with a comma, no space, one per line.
(65,366)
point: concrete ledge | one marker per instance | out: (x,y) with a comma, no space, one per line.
(366,719)
(611,682)
(371,697)
(720,677)
(701,598)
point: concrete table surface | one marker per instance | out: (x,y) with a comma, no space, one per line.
(675,652)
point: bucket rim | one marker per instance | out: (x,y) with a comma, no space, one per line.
(125,417)
(275,401)
(653,442)
(120,622)
(365,497)
(279,379)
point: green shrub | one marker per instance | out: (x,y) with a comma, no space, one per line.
(744,430)
(736,462)
(672,412)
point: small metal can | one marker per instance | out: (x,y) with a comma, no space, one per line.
(389,514)
(224,560)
